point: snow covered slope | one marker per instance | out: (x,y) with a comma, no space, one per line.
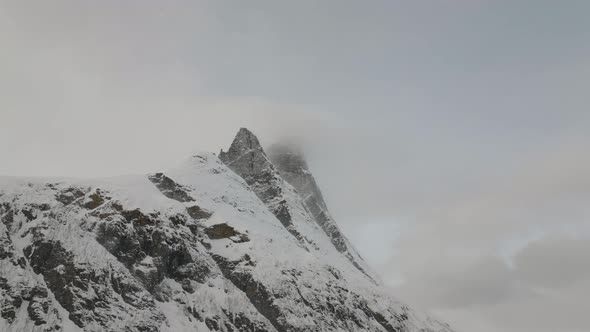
(213,245)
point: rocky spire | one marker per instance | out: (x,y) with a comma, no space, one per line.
(247,159)
(245,155)
(244,142)
(268,175)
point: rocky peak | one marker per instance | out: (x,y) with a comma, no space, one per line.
(282,180)
(246,156)
(244,142)
(247,159)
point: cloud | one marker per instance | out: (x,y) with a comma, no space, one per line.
(555,262)
(548,284)
(512,257)
(484,281)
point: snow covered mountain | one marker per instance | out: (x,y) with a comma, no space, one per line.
(240,242)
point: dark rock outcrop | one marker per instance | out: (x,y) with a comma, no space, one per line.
(169,188)
(224,231)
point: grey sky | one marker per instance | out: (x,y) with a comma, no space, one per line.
(450,137)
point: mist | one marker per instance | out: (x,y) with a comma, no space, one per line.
(450,139)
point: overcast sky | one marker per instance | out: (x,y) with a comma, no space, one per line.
(451,138)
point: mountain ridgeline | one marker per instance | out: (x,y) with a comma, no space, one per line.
(238,242)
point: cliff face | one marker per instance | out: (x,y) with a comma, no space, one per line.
(216,244)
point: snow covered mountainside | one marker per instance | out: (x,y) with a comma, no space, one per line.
(243,242)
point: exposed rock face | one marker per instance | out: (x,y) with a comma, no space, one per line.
(224,231)
(196,248)
(247,158)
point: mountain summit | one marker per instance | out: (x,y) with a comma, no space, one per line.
(245,143)
(235,243)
